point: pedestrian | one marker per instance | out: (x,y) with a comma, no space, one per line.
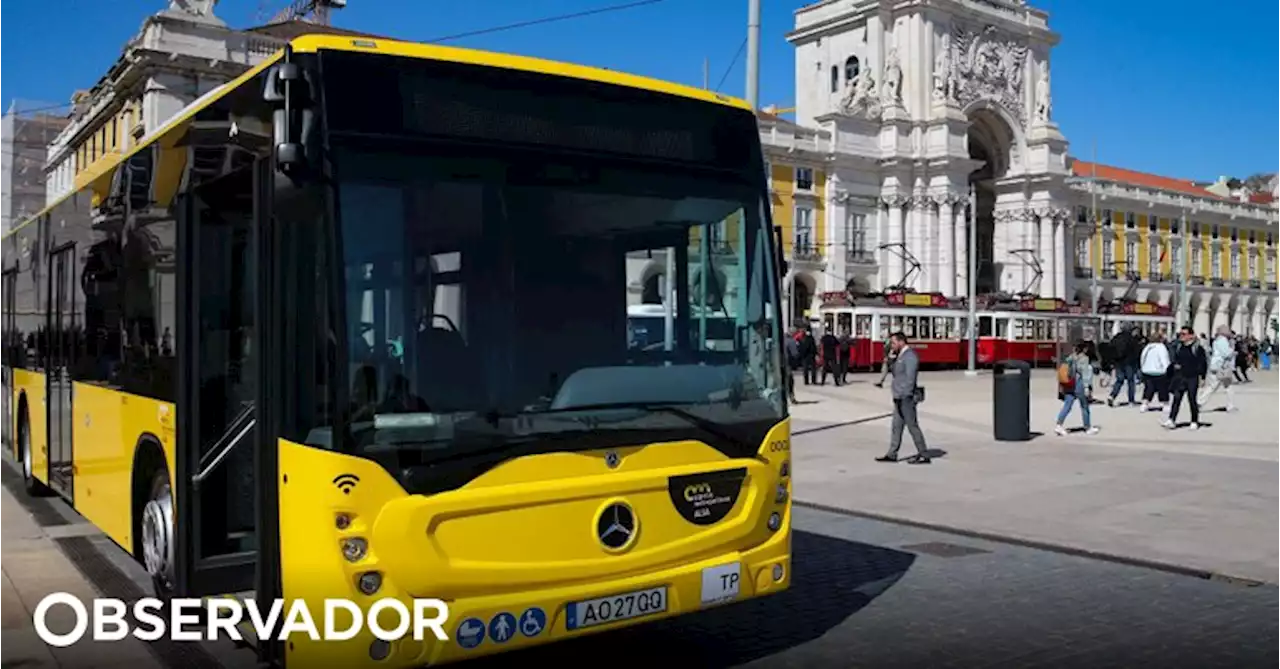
(1075,381)
(1155,365)
(907,394)
(886,367)
(830,358)
(1221,372)
(844,350)
(1189,366)
(1242,358)
(809,357)
(1128,351)
(793,364)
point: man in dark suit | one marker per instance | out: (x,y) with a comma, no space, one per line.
(905,370)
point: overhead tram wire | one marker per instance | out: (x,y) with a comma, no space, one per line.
(732,64)
(546,19)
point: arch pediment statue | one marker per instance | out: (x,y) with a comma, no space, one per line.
(989,66)
(891,89)
(1044,103)
(859,98)
(193,7)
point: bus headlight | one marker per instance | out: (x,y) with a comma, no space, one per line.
(342,521)
(370,582)
(354,549)
(781,497)
(775,521)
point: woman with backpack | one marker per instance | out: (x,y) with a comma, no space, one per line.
(1154,363)
(1075,379)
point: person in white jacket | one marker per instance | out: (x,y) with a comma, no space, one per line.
(1222,364)
(1154,363)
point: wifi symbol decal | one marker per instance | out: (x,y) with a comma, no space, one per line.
(346,482)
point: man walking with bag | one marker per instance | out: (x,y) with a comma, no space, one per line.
(907,394)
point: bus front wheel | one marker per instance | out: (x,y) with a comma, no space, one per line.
(157,534)
(32,485)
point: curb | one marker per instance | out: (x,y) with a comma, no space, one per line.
(1156,565)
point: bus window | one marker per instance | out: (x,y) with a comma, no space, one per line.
(909,326)
(1002,328)
(895,324)
(1021,328)
(828,323)
(944,327)
(984,326)
(925,328)
(862,325)
(844,323)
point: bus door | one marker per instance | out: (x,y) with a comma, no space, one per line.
(216,522)
(61,353)
(10,353)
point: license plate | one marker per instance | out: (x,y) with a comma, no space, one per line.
(604,610)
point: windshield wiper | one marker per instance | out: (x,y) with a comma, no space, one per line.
(672,409)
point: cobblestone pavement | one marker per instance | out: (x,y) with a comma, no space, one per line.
(872,594)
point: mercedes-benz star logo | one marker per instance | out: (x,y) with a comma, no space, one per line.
(616,526)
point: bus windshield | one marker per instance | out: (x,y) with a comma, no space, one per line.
(487,297)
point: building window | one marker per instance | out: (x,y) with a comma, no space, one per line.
(850,69)
(1131,257)
(804,178)
(1153,223)
(1270,240)
(856,235)
(1177,261)
(1130,220)
(1215,263)
(1153,258)
(1106,217)
(835,79)
(1195,229)
(1082,214)
(1108,254)
(1214,231)
(1235,234)
(1253,265)
(803,242)
(1235,264)
(1082,253)
(1252,238)
(1173,226)
(1195,259)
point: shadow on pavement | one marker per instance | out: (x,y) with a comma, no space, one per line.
(832,579)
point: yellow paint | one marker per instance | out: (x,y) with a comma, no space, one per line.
(108,425)
(457,545)
(1144,247)
(31,385)
(785,201)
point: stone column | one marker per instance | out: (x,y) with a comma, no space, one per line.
(946,238)
(921,233)
(1061,254)
(1044,251)
(893,256)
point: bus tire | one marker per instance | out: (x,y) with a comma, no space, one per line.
(30,483)
(156,525)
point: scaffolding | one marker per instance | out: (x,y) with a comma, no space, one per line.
(26,130)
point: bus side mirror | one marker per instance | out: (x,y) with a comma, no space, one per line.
(290,90)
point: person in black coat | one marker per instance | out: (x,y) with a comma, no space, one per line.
(809,357)
(1127,348)
(830,358)
(1189,366)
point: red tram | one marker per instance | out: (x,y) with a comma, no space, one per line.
(1036,331)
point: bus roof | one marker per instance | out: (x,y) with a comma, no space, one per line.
(317,42)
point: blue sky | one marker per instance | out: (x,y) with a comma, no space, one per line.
(1160,85)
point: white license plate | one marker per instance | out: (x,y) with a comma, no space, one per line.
(604,610)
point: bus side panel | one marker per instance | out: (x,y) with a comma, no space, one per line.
(103,456)
(32,384)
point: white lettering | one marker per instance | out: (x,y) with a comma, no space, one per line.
(177,620)
(299,620)
(228,624)
(42,628)
(146,610)
(375,625)
(434,623)
(262,628)
(109,612)
(218,618)
(331,607)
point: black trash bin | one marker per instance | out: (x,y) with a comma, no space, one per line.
(1011,400)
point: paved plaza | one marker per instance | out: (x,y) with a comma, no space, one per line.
(1204,500)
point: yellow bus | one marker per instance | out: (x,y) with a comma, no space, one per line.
(355,325)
